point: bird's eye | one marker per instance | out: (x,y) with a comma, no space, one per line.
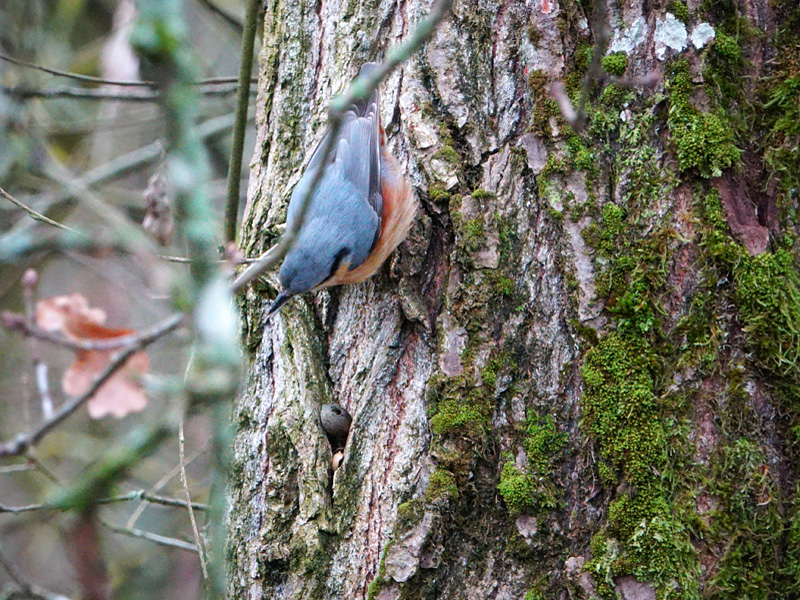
(337,411)
(337,260)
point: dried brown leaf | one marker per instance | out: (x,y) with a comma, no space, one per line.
(122,393)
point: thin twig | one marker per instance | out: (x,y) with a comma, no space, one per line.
(185,260)
(151,537)
(118,167)
(13,571)
(24,441)
(101,80)
(139,495)
(15,322)
(33,214)
(122,165)
(162,482)
(195,531)
(30,279)
(242,104)
(20,468)
(362,87)
(40,466)
(222,14)
(25,93)
(153,499)
(16,510)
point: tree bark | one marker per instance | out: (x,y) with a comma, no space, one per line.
(578,376)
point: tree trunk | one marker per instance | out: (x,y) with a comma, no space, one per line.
(579,375)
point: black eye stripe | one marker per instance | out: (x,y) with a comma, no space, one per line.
(337,260)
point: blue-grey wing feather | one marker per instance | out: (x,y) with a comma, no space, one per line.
(344,213)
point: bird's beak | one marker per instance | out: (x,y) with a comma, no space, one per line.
(282,298)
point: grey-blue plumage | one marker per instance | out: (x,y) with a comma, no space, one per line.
(360,211)
(343,218)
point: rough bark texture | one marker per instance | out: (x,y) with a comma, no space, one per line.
(579,374)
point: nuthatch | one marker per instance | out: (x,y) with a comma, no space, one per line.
(360,211)
(336,423)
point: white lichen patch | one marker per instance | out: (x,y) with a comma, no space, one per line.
(445,172)
(627,39)
(702,34)
(670,34)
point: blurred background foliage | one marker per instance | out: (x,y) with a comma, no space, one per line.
(43,141)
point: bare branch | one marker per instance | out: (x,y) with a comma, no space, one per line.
(25,441)
(233,22)
(154,499)
(162,482)
(20,468)
(362,87)
(139,495)
(242,104)
(33,214)
(30,279)
(102,81)
(151,537)
(16,322)
(75,76)
(25,93)
(195,531)
(184,260)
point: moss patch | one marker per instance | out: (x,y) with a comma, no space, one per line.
(441,486)
(703,142)
(615,63)
(644,536)
(679,9)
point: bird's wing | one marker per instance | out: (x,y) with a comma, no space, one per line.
(357,153)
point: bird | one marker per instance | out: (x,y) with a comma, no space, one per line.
(360,211)
(336,422)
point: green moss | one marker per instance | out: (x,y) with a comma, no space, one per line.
(620,409)
(376,585)
(534,35)
(481,194)
(521,492)
(703,141)
(581,157)
(534,594)
(615,63)
(441,486)
(727,48)
(449,155)
(782,116)
(604,238)
(473,231)
(790,569)
(645,536)
(409,513)
(679,9)
(542,442)
(437,193)
(453,415)
(768,297)
(504,286)
(746,523)
(766,292)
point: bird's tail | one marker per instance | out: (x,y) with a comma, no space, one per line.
(363,106)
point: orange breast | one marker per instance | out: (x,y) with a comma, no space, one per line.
(399,208)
